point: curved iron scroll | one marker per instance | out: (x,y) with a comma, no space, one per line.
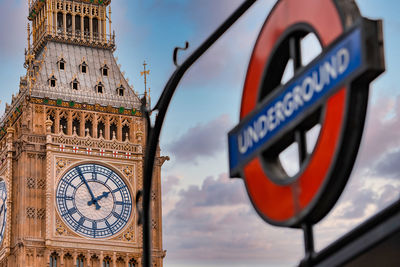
(153,132)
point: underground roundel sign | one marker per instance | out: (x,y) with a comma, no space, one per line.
(315,109)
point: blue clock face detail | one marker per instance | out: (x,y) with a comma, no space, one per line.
(94,201)
(3,209)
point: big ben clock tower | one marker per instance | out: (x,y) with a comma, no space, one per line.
(71,148)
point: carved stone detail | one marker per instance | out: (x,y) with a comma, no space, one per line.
(31,182)
(62,163)
(104,144)
(41,213)
(30,213)
(128,171)
(41,184)
(61,229)
(39,109)
(128,235)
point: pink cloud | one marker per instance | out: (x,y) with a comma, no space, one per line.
(382,133)
(215,221)
(202,140)
(13,27)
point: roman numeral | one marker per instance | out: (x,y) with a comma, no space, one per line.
(81,221)
(109,227)
(116,215)
(72,210)
(118,189)
(122,203)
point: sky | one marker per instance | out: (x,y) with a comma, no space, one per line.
(207,217)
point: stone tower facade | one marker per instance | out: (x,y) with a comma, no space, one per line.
(72,147)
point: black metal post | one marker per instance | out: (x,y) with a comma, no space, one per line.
(153,133)
(308,245)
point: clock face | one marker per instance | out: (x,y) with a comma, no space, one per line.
(3,209)
(94,201)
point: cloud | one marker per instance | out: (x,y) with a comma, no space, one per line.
(381,135)
(229,56)
(359,203)
(389,165)
(375,182)
(215,221)
(13,27)
(202,140)
(215,192)
(169,183)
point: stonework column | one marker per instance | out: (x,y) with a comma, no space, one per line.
(132,130)
(91,27)
(101,258)
(127,260)
(62,258)
(74,257)
(114,260)
(46,256)
(57,122)
(55,23)
(73,24)
(95,124)
(107,130)
(82,25)
(23,258)
(88,259)
(69,123)
(82,129)
(102,19)
(35,261)
(65,24)
(119,129)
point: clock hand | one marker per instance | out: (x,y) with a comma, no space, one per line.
(94,201)
(105,194)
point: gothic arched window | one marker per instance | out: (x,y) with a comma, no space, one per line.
(104,70)
(51,117)
(121,91)
(86,27)
(132,263)
(100,88)
(75,84)
(80,261)
(52,81)
(69,23)
(113,130)
(95,23)
(107,262)
(89,128)
(53,259)
(60,21)
(63,125)
(77,24)
(100,129)
(61,64)
(83,67)
(125,132)
(76,126)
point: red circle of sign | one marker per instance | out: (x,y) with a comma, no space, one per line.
(276,203)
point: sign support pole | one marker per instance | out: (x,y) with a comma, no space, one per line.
(308,244)
(153,132)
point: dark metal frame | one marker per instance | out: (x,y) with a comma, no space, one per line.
(334,252)
(153,132)
(361,239)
